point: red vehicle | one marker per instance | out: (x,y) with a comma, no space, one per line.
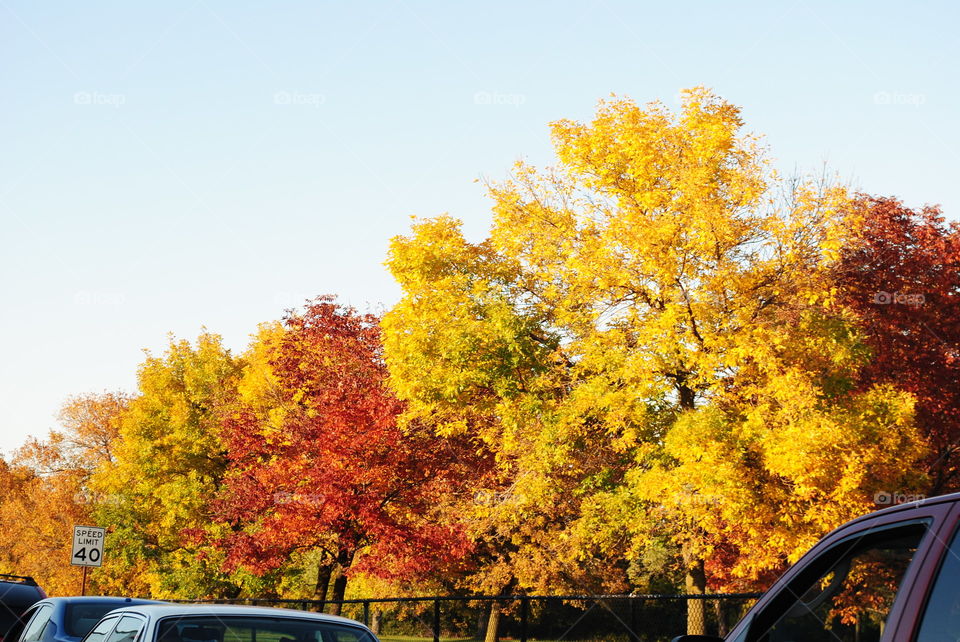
(890,576)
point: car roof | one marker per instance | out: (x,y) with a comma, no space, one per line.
(167,609)
(915,504)
(20,592)
(97,599)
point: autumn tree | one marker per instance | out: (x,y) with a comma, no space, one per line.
(900,275)
(90,426)
(620,296)
(46,494)
(790,451)
(317,460)
(166,466)
(38,513)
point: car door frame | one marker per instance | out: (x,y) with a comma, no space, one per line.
(144,621)
(109,616)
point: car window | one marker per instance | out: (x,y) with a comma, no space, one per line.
(127,629)
(13,622)
(37,624)
(344,635)
(846,593)
(10,623)
(100,631)
(80,618)
(257,629)
(941,617)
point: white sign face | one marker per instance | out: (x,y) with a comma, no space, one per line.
(87,546)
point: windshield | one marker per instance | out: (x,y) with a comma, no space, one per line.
(80,618)
(257,629)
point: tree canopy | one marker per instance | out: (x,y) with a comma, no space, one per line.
(665,368)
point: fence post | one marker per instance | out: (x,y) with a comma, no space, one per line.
(436,620)
(696,615)
(366,612)
(634,624)
(524,611)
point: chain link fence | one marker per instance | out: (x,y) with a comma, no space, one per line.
(540,618)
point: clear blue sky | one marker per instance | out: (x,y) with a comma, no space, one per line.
(175,164)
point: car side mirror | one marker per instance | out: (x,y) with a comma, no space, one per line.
(696,638)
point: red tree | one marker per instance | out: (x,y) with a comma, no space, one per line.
(339,474)
(901,276)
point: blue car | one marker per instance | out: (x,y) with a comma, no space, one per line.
(65,619)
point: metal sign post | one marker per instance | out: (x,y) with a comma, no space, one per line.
(87,550)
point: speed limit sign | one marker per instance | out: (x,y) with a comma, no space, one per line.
(87,546)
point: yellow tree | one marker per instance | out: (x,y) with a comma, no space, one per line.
(787,451)
(618,295)
(165,470)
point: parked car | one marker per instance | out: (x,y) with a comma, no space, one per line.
(891,576)
(66,619)
(17,594)
(224,623)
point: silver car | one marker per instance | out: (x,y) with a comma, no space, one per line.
(224,623)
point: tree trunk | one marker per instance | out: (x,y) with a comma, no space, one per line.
(339,590)
(324,570)
(688,397)
(720,613)
(696,576)
(493,623)
(481,625)
(376,618)
(696,583)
